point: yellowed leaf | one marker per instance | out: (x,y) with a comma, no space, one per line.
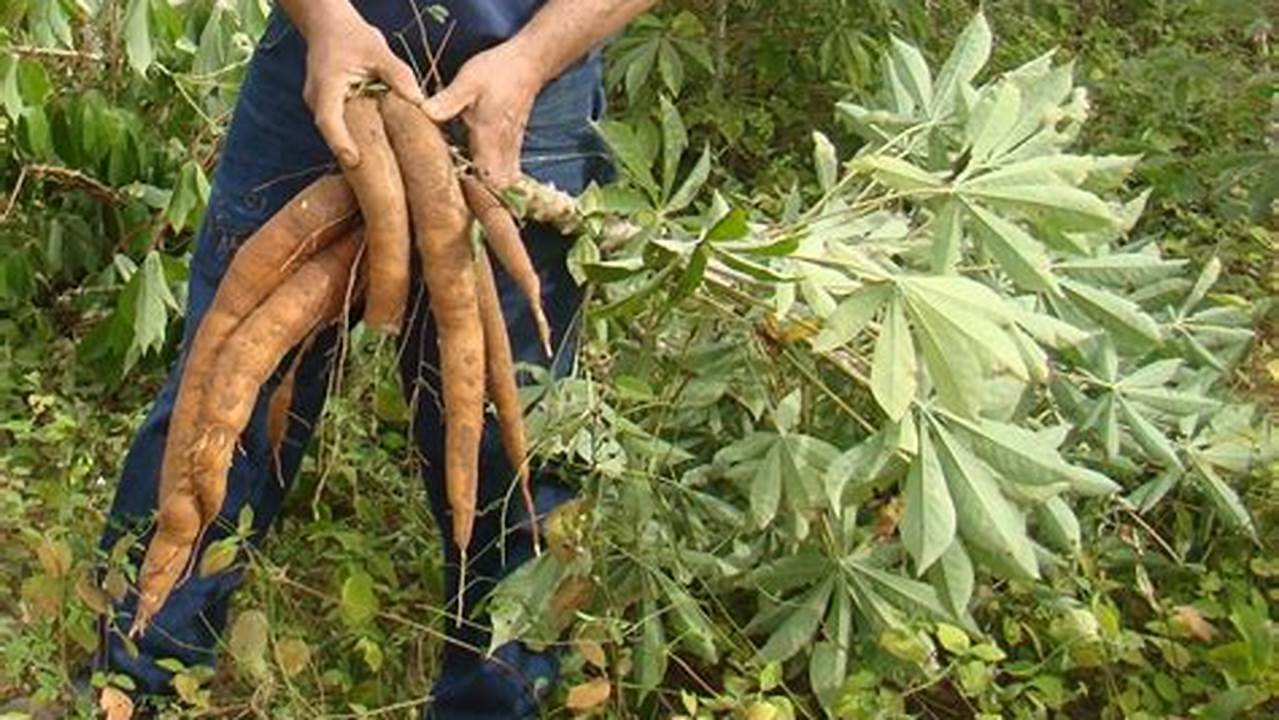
(115,705)
(116,585)
(589,695)
(55,557)
(1193,623)
(592,652)
(762,711)
(91,594)
(292,655)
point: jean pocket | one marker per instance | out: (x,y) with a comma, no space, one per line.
(278,29)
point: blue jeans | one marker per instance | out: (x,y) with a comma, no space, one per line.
(272,151)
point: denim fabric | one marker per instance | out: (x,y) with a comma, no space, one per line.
(272,151)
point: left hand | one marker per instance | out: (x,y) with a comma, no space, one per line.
(494,93)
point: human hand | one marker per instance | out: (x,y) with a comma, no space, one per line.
(342,51)
(494,93)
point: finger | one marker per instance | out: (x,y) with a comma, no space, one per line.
(329,118)
(397,74)
(487,155)
(449,102)
(506,169)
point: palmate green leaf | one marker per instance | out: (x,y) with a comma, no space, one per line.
(788,572)
(652,653)
(1022,456)
(1207,278)
(692,184)
(1153,375)
(948,238)
(912,72)
(826,161)
(905,593)
(987,520)
(1150,438)
(628,148)
(137,35)
(958,377)
(993,120)
(992,345)
(954,578)
(828,664)
(928,520)
(1121,269)
(1058,525)
(893,367)
(967,58)
(674,142)
(897,174)
(695,630)
(1071,207)
(1126,322)
(1019,254)
(1171,401)
(777,470)
(798,630)
(1224,497)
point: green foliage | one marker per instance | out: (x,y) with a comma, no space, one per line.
(900,403)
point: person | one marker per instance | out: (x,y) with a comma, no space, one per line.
(524,78)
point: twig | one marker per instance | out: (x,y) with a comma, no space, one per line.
(33,51)
(13,196)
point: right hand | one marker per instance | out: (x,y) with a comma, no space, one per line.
(342,51)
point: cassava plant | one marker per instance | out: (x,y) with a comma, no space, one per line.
(806,425)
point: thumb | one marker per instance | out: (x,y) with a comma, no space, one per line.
(449,102)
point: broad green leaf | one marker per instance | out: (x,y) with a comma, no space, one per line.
(852,316)
(967,58)
(828,664)
(628,148)
(1019,254)
(9,94)
(692,184)
(1207,278)
(797,631)
(912,70)
(1022,456)
(696,632)
(788,572)
(913,594)
(1127,322)
(928,520)
(896,173)
(1150,438)
(958,377)
(652,652)
(1156,374)
(1224,497)
(137,35)
(674,142)
(1077,209)
(359,602)
(1171,401)
(953,577)
(993,121)
(732,226)
(991,345)
(826,161)
(1058,525)
(893,368)
(968,295)
(1122,268)
(987,519)
(948,238)
(775,471)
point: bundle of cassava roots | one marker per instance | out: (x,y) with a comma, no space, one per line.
(342,236)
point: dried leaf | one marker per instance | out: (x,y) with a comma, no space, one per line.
(588,695)
(1193,623)
(115,704)
(593,653)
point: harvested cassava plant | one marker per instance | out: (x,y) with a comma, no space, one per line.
(377,184)
(502,388)
(312,220)
(441,226)
(503,238)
